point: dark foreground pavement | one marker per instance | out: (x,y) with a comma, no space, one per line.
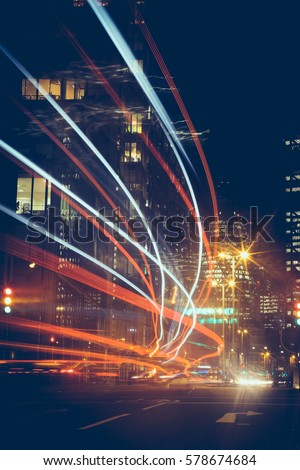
(49,414)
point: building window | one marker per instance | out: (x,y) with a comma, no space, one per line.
(28,90)
(132,152)
(135,124)
(75,89)
(52,87)
(33,195)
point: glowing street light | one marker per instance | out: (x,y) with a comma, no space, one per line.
(244,254)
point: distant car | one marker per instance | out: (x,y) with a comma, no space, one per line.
(283,379)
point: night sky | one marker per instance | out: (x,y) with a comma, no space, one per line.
(236,65)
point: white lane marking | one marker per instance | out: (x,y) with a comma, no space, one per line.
(154,406)
(214,403)
(231,417)
(98,423)
(227,418)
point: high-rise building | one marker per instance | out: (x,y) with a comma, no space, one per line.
(292,228)
(100,94)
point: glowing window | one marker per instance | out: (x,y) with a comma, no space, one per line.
(135,125)
(55,89)
(24,191)
(75,89)
(132,152)
(45,84)
(33,195)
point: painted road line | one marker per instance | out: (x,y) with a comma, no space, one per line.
(153,406)
(232,417)
(98,423)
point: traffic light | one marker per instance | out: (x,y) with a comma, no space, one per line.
(7,300)
(297,314)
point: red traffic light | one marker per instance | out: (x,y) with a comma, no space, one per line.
(8,291)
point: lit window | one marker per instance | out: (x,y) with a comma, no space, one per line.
(39,193)
(135,124)
(51,87)
(24,192)
(75,89)
(33,195)
(55,89)
(132,152)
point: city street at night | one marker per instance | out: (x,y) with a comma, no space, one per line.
(149,228)
(97,416)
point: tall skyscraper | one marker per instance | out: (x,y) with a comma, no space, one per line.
(292,227)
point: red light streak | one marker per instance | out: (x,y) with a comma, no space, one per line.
(20,249)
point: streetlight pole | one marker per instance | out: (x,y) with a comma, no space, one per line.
(242,349)
(223,329)
(235,258)
(233,302)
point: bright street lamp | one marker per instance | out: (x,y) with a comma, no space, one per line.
(234,258)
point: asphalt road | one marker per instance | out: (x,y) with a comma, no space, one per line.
(103,417)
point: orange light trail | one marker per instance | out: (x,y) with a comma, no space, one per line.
(32,253)
(79,353)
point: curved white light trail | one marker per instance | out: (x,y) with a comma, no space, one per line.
(98,154)
(166,123)
(72,195)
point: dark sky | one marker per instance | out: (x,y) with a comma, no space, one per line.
(236,65)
